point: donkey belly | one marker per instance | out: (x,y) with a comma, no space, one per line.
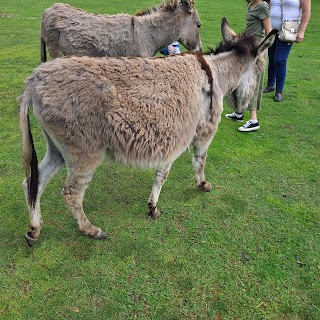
(144,150)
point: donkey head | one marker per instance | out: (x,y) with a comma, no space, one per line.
(188,18)
(240,97)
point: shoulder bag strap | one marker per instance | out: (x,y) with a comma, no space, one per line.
(281,10)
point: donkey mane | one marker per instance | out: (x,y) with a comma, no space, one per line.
(165,6)
(244,45)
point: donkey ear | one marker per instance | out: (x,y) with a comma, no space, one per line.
(227,33)
(267,42)
(188,4)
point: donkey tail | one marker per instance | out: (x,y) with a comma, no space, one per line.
(43,50)
(30,160)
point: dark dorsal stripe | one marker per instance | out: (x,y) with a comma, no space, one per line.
(205,66)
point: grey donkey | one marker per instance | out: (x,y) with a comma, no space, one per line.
(128,108)
(66,30)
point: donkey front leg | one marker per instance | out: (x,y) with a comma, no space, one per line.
(199,162)
(160,177)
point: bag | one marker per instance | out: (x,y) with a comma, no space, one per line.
(289,31)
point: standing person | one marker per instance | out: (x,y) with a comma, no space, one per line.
(258,23)
(278,53)
(173,48)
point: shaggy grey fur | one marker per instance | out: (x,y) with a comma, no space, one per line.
(134,109)
(70,31)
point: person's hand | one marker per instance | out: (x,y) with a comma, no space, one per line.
(171,49)
(300,36)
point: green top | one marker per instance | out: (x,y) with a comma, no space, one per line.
(254,25)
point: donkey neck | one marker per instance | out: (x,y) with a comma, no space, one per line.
(228,68)
(159,29)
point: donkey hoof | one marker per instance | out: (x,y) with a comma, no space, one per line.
(29,239)
(154,213)
(205,186)
(101,235)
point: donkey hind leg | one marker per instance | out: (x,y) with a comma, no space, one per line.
(48,167)
(160,177)
(77,182)
(199,162)
(53,44)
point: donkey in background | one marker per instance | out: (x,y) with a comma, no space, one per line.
(126,106)
(70,31)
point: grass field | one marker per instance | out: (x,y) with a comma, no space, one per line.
(248,250)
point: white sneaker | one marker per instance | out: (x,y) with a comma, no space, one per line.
(233,116)
(249,126)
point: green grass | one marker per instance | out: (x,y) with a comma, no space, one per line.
(248,250)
